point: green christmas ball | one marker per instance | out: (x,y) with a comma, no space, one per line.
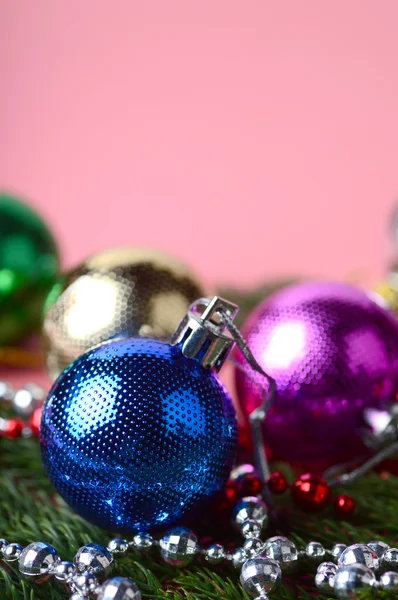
(28,265)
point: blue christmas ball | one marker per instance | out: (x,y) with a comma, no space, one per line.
(136,436)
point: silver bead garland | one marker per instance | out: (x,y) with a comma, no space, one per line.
(346,572)
(23,402)
(343,571)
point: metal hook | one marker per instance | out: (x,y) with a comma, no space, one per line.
(384,439)
(208,333)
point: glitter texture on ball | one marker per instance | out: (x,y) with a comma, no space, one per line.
(333,353)
(119,292)
(136,436)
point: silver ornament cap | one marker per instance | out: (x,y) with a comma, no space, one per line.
(93,558)
(36,560)
(259,575)
(203,335)
(119,588)
(178,546)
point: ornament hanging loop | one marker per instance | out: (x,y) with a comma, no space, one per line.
(208,332)
(258,415)
(382,439)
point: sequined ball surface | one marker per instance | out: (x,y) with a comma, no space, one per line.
(333,353)
(119,292)
(136,436)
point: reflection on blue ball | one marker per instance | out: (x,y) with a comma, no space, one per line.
(135,436)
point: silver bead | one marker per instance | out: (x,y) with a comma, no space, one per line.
(315,551)
(238,558)
(250,507)
(37,560)
(118,546)
(379,548)
(3,545)
(84,582)
(253,547)
(65,570)
(324,577)
(142,541)
(77,596)
(93,558)
(390,558)
(338,550)
(178,546)
(12,552)
(351,581)
(6,391)
(251,528)
(260,575)
(324,581)
(215,554)
(282,550)
(26,399)
(327,566)
(359,554)
(119,588)
(389,580)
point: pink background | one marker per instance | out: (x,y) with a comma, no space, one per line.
(252,138)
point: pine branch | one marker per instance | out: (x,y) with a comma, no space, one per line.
(30,510)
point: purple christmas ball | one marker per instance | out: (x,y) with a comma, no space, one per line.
(333,353)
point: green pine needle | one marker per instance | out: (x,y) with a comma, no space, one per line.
(30,511)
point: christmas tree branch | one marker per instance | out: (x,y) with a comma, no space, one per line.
(30,511)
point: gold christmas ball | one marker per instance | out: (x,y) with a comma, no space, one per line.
(386,293)
(120,292)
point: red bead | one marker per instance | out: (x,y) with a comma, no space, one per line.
(311,492)
(344,506)
(251,486)
(14,428)
(277,483)
(35,420)
(228,496)
(231,492)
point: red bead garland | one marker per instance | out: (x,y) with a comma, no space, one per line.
(277,483)
(311,492)
(35,420)
(344,506)
(14,428)
(228,497)
(251,485)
